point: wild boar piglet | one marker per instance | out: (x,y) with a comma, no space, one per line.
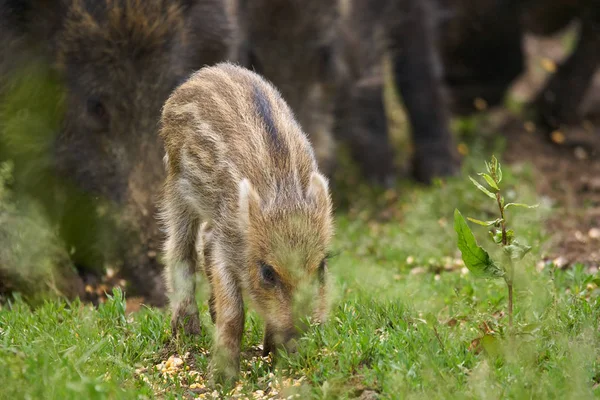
(240,166)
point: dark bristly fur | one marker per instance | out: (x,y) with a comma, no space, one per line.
(293,43)
(308,49)
(117,61)
(265,113)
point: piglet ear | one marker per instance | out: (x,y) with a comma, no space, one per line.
(249,204)
(318,192)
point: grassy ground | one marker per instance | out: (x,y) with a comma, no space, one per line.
(408,321)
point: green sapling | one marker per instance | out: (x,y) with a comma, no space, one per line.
(475,257)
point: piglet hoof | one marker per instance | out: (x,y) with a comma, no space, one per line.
(435,164)
(188,323)
(223,373)
(269,348)
(219,379)
(266,351)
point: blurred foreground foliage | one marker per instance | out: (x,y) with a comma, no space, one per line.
(33,259)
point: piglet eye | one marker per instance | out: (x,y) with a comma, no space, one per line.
(268,274)
(96,109)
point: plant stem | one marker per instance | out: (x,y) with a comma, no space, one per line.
(439,339)
(504,238)
(510,304)
(509,280)
(509,284)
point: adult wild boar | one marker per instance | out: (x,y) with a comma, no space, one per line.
(116,62)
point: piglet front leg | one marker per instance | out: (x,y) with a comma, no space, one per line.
(229,313)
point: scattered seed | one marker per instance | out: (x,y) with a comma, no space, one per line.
(558,137)
(548,65)
(580,153)
(529,126)
(580,237)
(480,104)
(560,262)
(418,271)
(594,233)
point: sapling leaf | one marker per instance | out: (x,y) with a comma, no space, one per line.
(496,236)
(485,223)
(516,250)
(494,164)
(478,221)
(431,320)
(520,205)
(492,168)
(491,345)
(484,190)
(531,328)
(489,180)
(499,173)
(510,235)
(476,259)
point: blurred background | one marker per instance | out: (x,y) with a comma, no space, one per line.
(398,97)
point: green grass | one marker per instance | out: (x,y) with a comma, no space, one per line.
(406,321)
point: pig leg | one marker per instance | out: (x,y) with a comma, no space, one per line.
(324,147)
(418,77)
(212,308)
(559,101)
(181,259)
(207,244)
(362,123)
(229,310)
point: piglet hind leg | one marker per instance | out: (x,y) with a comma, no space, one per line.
(181,259)
(207,245)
